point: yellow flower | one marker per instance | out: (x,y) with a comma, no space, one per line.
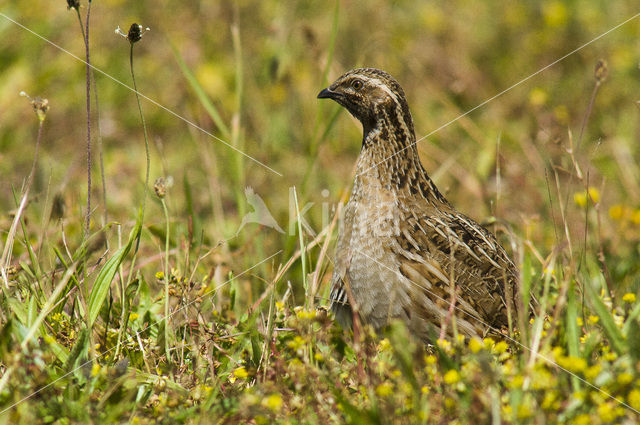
(385,389)
(95,369)
(624,378)
(241,372)
(635,217)
(573,363)
(452,377)
(444,344)
(593,319)
(607,413)
(489,343)
(616,212)
(579,321)
(384,344)
(537,97)
(634,399)
(582,419)
(501,347)
(592,372)
(516,382)
(555,14)
(430,359)
(561,113)
(524,411)
(475,345)
(273,402)
(581,198)
(629,298)
(159,275)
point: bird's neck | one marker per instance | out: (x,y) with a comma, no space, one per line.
(389,158)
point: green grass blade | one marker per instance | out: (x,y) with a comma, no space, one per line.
(107,273)
(202,95)
(611,330)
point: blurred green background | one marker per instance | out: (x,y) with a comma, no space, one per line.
(505,159)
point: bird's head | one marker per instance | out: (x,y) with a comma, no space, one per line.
(368,94)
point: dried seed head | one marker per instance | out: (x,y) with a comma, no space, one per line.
(73,4)
(160,187)
(40,105)
(601,71)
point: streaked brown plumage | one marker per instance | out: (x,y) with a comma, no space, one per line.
(402,248)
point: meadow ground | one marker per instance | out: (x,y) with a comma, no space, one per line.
(214,315)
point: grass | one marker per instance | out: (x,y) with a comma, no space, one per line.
(202,323)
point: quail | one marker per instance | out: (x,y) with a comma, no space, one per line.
(404,252)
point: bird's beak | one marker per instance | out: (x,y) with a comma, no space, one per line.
(327,94)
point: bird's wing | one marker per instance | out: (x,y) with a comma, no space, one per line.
(443,246)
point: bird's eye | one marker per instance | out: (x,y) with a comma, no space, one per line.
(357,84)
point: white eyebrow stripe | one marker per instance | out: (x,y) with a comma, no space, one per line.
(384,87)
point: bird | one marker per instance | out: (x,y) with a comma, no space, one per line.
(403,251)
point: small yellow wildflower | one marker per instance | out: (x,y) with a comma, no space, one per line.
(273,402)
(550,400)
(573,363)
(385,389)
(581,198)
(133,316)
(524,411)
(537,97)
(296,343)
(561,113)
(95,370)
(635,217)
(629,297)
(516,381)
(501,347)
(582,419)
(384,345)
(444,344)
(488,343)
(159,275)
(616,212)
(430,359)
(634,399)
(555,13)
(425,389)
(606,412)
(452,377)
(241,373)
(475,345)
(579,321)
(593,319)
(592,372)
(624,378)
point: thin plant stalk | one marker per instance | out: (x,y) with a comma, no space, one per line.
(88,77)
(166,280)
(146,136)
(97,106)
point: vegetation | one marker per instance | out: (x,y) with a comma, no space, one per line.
(185,309)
